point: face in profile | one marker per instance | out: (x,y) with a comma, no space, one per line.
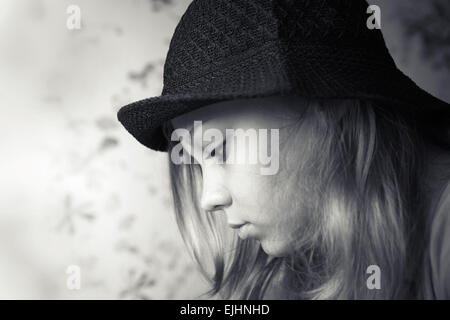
(258,204)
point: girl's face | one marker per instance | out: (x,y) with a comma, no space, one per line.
(259,204)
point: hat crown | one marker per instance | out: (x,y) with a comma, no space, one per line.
(240,49)
(212,33)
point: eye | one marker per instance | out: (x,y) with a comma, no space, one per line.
(215,151)
(218,151)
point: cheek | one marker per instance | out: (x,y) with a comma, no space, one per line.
(251,192)
(282,220)
(272,208)
(282,230)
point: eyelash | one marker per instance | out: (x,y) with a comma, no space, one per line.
(213,152)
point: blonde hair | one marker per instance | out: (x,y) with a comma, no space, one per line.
(360,165)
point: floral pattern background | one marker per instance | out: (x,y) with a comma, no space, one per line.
(76,188)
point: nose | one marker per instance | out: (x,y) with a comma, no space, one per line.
(215,199)
(215,195)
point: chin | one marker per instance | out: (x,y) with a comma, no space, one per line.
(276,249)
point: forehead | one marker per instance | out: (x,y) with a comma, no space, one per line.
(246,111)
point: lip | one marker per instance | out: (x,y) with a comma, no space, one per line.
(236,225)
(244,231)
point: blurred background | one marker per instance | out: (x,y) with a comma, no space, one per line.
(76,189)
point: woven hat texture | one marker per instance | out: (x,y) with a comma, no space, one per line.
(234,49)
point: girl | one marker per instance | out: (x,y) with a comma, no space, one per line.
(358,206)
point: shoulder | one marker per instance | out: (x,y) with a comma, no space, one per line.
(439,246)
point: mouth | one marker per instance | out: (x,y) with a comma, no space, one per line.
(236,225)
(243,229)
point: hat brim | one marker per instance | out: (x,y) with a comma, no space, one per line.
(310,72)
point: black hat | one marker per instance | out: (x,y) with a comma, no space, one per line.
(229,49)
